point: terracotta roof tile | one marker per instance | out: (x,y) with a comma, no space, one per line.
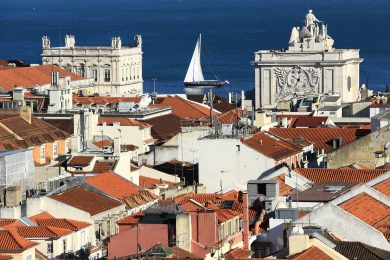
(80,160)
(104,100)
(192,205)
(131,219)
(149,183)
(123,121)
(30,77)
(272,146)
(117,186)
(224,215)
(238,253)
(63,223)
(284,189)
(12,242)
(312,253)
(42,232)
(319,175)
(103,166)
(42,215)
(165,127)
(310,121)
(370,211)
(383,187)
(86,200)
(27,135)
(322,138)
(231,116)
(9,221)
(183,108)
(103,143)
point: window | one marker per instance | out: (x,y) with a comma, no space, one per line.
(49,248)
(237,225)
(64,244)
(81,71)
(55,150)
(261,189)
(66,147)
(230,228)
(29,257)
(123,74)
(349,83)
(94,73)
(107,75)
(42,152)
(222,232)
(127,74)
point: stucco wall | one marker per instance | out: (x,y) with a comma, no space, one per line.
(146,235)
(361,151)
(237,166)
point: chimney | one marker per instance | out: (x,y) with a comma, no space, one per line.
(246,219)
(18,93)
(54,78)
(75,143)
(298,241)
(25,113)
(117,145)
(230,98)
(13,196)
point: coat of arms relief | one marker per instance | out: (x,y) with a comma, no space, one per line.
(296,81)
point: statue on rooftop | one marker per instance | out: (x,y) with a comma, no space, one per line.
(310,19)
(294,36)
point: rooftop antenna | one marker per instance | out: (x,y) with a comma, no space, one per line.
(60,34)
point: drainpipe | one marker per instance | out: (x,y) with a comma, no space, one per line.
(246,219)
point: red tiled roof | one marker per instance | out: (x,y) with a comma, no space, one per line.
(311,253)
(149,183)
(42,215)
(183,108)
(322,138)
(9,221)
(30,77)
(238,253)
(123,121)
(369,210)
(80,160)
(224,215)
(113,185)
(380,105)
(165,127)
(104,143)
(63,223)
(42,232)
(271,146)
(104,100)
(86,200)
(284,189)
(140,198)
(103,166)
(231,116)
(131,219)
(12,242)
(383,187)
(191,206)
(310,121)
(319,175)
(27,135)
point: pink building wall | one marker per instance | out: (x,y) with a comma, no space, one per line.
(125,243)
(204,232)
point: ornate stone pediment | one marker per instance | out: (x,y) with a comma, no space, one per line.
(296,81)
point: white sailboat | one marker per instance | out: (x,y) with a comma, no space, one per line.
(194,77)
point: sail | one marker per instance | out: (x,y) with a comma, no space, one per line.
(194,72)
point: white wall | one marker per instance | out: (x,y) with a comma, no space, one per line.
(216,155)
(345,225)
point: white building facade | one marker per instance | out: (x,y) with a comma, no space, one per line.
(309,65)
(116,69)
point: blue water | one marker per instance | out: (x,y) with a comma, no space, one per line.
(232,31)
